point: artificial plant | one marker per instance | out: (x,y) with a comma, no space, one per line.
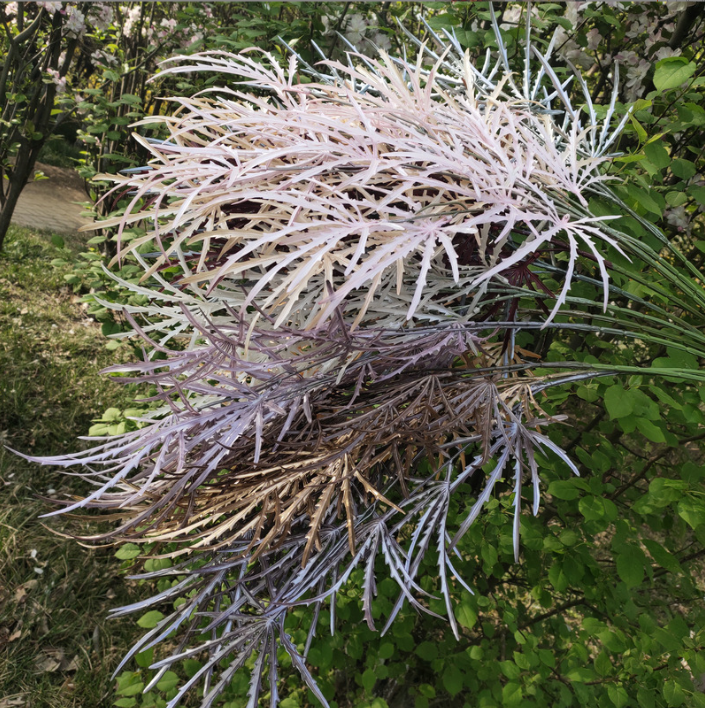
(337,263)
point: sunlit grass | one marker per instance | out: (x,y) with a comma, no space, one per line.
(56,647)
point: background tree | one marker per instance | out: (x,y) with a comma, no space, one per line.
(38,46)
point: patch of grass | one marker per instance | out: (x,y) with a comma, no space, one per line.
(56,647)
(58,151)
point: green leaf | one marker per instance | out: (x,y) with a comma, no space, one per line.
(131,689)
(630,566)
(603,664)
(672,72)
(428,651)
(581,675)
(510,669)
(684,169)
(368,680)
(639,128)
(698,193)
(665,398)
(108,328)
(557,577)
(150,619)
(168,681)
(564,489)
(476,653)
(453,680)
(111,415)
(512,694)
(128,551)
(466,615)
(618,696)
(427,690)
(386,651)
(644,199)
(658,155)
(675,199)
(645,698)
(145,658)
(650,431)
(662,556)
(673,694)
(595,508)
(57,241)
(617,402)
(692,512)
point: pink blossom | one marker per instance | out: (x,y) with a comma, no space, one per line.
(11,8)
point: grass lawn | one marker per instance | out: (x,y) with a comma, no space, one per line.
(56,646)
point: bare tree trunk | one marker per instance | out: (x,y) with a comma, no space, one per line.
(24,165)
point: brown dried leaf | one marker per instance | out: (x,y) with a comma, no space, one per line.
(16,633)
(22,591)
(13,701)
(54,659)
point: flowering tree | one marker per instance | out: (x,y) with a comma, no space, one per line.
(341,278)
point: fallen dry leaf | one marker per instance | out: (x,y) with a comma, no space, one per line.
(54,659)
(13,701)
(22,591)
(16,632)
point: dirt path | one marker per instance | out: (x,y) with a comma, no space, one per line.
(52,204)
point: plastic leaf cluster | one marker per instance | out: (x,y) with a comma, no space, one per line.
(336,271)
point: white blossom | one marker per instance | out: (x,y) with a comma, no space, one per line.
(355,28)
(50,6)
(101,57)
(573,8)
(511,17)
(382,41)
(635,79)
(59,81)
(101,16)
(168,24)
(593,39)
(76,21)
(131,16)
(637,25)
(665,53)
(678,217)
